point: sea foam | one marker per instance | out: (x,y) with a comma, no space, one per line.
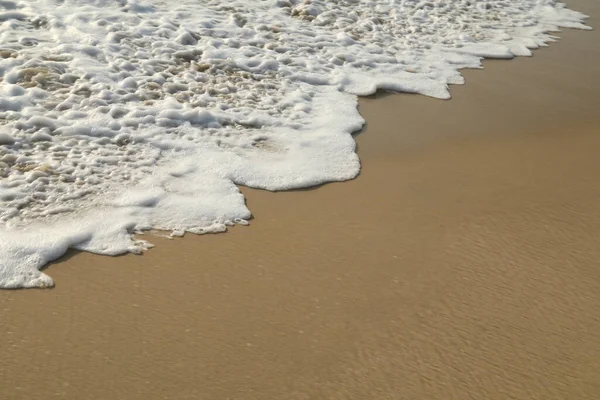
(119,116)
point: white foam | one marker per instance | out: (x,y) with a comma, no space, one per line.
(122,116)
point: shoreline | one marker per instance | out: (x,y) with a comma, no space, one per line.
(460,263)
(28,276)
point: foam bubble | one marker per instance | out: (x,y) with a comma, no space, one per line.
(119,117)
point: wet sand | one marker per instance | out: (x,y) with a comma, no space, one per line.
(463,263)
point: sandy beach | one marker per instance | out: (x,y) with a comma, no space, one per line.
(463,263)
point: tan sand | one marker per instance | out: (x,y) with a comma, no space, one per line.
(464,263)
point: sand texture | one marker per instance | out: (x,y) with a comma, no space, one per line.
(463,263)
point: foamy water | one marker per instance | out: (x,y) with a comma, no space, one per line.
(121,116)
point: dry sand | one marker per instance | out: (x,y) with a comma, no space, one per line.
(462,264)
